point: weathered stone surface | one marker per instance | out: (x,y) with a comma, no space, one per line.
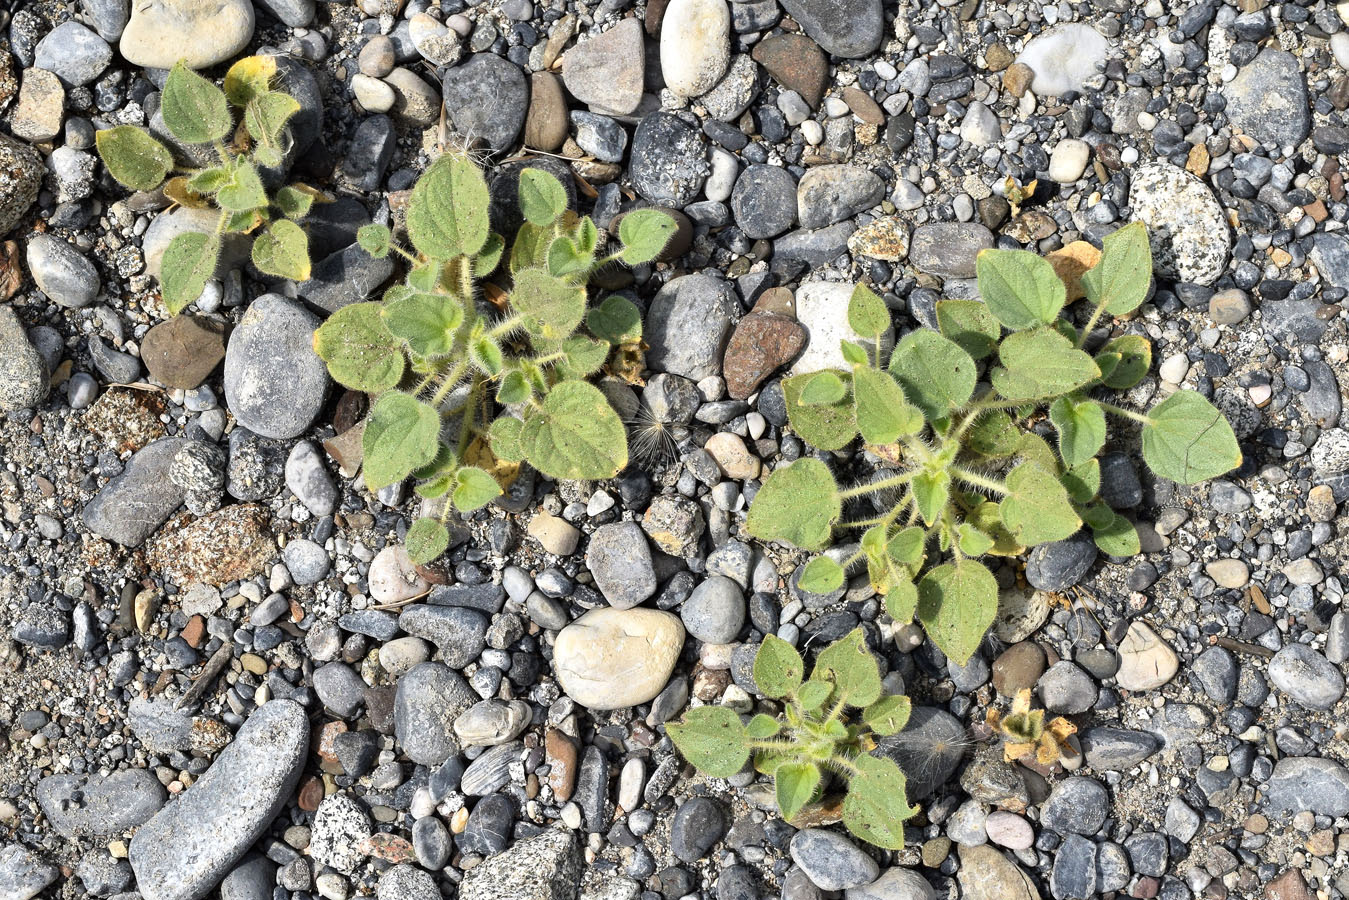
(131,506)
(184,351)
(546,867)
(615,658)
(84,806)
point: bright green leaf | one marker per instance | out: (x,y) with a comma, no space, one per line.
(427,322)
(1120,280)
(135,159)
(936,374)
(1021,289)
(1187,440)
(973,542)
(426,540)
(826,427)
(575,435)
(1081,427)
(447,213)
(375,240)
(821,575)
(189,262)
(713,739)
(1131,357)
(761,727)
(888,715)
(645,233)
(295,203)
(485,354)
(1082,481)
(1117,538)
(854,354)
(402,434)
(542,196)
(852,667)
(970,324)
(360,351)
(283,250)
(798,505)
(931,491)
(194,109)
(823,389)
(813,694)
(956,604)
(244,191)
(867,313)
(1040,364)
(795,784)
(474,489)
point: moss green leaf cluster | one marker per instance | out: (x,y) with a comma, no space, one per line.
(996,420)
(467,389)
(197,112)
(812,748)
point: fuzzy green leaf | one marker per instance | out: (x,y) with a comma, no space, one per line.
(795,784)
(645,233)
(854,354)
(972,541)
(427,322)
(901,601)
(135,159)
(189,262)
(1021,289)
(936,374)
(1081,427)
(474,488)
(426,540)
(1130,357)
(826,427)
(888,715)
(1118,538)
(883,413)
(375,240)
(542,197)
(852,667)
(1187,440)
(447,213)
(402,434)
(489,257)
(1120,280)
(993,435)
(295,203)
(283,250)
(1082,481)
(551,306)
(194,109)
(798,505)
(778,668)
(877,803)
(867,313)
(565,257)
(713,739)
(360,351)
(906,546)
(616,320)
(266,116)
(931,491)
(762,726)
(506,434)
(821,576)
(485,354)
(1037,509)
(956,604)
(244,191)
(969,324)
(575,435)
(208,181)
(813,694)
(1040,364)
(823,389)
(582,356)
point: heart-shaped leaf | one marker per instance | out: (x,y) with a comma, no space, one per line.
(936,374)
(402,434)
(956,604)
(359,349)
(575,434)
(283,250)
(194,109)
(1187,440)
(713,739)
(135,159)
(645,233)
(798,504)
(1021,289)
(1037,509)
(778,668)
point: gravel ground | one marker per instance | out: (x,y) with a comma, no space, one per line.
(220,676)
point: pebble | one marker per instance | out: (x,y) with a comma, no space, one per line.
(822,309)
(1077,805)
(38,114)
(491,722)
(695,45)
(895,883)
(73,53)
(715,612)
(831,861)
(1229,573)
(697,825)
(545,867)
(847,28)
(669,161)
(1146,661)
(184,351)
(764,201)
(948,249)
(605,71)
(21,172)
(1063,58)
(546,121)
(24,374)
(615,658)
(1059,565)
(340,824)
(486,97)
(829,194)
(130,507)
(1067,690)
(1069,160)
(374,95)
(987,873)
(274,381)
(428,700)
(555,534)
(1186,225)
(1268,100)
(620,559)
(1311,784)
(189,845)
(1306,676)
(796,62)
(61,272)
(24,873)
(459,634)
(100,806)
(1009,830)
(162,32)
(687,325)
(761,343)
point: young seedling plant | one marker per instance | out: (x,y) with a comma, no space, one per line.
(1025,734)
(957,407)
(197,112)
(470,383)
(812,741)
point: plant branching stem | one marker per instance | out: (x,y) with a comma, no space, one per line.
(872,487)
(1123,413)
(1091,323)
(977,480)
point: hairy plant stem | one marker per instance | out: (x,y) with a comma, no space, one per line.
(1123,413)
(977,480)
(1091,323)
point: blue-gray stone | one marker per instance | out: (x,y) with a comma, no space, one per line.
(274,381)
(131,506)
(99,806)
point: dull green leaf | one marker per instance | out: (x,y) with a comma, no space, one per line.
(447,213)
(1040,364)
(867,313)
(551,306)
(888,715)
(850,665)
(877,804)
(1037,509)
(402,434)
(474,488)
(970,324)
(821,575)
(1120,280)
(542,197)
(795,786)
(1021,289)
(426,540)
(135,159)
(194,109)
(936,374)
(712,739)
(359,349)
(189,262)
(829,427)
(283,250)
(575,434)
(1081,428)
(645,233)
(1187,440)
(798,505)
(956,604)
(883,413)
(428,323)
(778,668)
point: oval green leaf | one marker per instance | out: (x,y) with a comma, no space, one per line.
(645,233)
(283,250)
(426,540)
(1120,280)
(798,505)
(447,213)
(852,667)
(542,197)
(1187,440)
(957,602)
(936,374)
(575,434)
(712,739)
(778,668)
(402,434)
(1037,509)
(1021,289)
(189,262)
(135,159)
(360,352)
(195,110)
(795,785)
(1081,428)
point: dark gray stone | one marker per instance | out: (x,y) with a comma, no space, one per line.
(831,861)
(1268,100)
(487,97)
(669,160)
(620,559)
(764,201)
(948,249)
(698,825)
(1077,805)
(429,697)
(131,506)
(1061,564)
(100,806)
(848,28)
(688,324)
(489,826)
(274,381)
(929,749)
(459,634)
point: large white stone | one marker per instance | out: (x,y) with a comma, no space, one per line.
(615,658)
(1064,58)
(199,32)
(1186,224)
(695,45)
(822,307)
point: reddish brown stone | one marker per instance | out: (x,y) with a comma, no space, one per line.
(311,794)
(228,545)
(183,351)
(761,342)
(560,752)
(1289,886)
(797,63)
(655,15)
(193,631)
(389,847)
(126,419)
(862,106)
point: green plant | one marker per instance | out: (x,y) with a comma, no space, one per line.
(197,112)
(812,741)
(973,476)
(442,358)
(1025,734)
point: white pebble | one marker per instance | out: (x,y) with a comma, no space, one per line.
(812,131)
(1069,160)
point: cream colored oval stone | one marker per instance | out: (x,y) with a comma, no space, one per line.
(199,32)
(1145,660)
(614,658)
(695,45)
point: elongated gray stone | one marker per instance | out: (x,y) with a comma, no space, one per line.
(131,506)
(80,806)
(191,844)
